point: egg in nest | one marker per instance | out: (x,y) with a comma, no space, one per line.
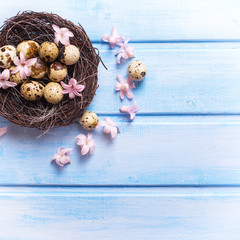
(29,48)
(7,55)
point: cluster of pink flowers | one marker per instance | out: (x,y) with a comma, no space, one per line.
(87,143)
(125,50)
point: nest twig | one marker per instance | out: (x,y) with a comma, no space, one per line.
(37,26)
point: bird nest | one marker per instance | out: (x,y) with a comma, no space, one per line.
(40,114)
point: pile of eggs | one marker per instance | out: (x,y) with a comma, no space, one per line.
(51,62)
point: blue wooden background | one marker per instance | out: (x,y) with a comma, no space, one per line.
(174,172)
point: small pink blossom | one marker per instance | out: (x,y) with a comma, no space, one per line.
(62,156)
(62,35)
(87,143)
(4,80)
(72,88)
(125,51)
(114,39)
(109,127)
(130,110)
(23,66)
(125,87)
(3,131)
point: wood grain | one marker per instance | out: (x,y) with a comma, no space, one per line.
(140,213)
(182,78)
(154,150)
(141,20)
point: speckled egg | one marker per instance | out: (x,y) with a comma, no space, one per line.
(29,48)
(32,90)
(39,69)
(15,77)
(48,51)
(88,120)
(57,72)
(69,55)
(53,93)
(7,55)
(137,70)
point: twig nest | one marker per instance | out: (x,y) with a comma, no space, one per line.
(32,90)
(18,104)
(48,51)
(69,55)
(57,72)
(88,120)
(39,69)
(7,55)
(15,77)
(137,70)
(29,48)
(53,93)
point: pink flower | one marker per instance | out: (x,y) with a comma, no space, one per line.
(62,35)
(130,110)
(72,88)
(62,156)
(115,38)
(4,83)
(125,87)
(23,66)
(125,51)
(109,127)
(3,131)
(86,143)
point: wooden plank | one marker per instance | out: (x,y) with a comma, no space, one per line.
(152,213)
(144,21)
(182,78)
(153,150)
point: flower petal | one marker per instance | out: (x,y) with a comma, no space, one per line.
(22,57)
(65,40)
(124,109)
(132,115)
(5,74)
(30,62)
(10,84)
(113,132)
(27,70)
(22,73)
(56,28)
(57,38)
(129,94)
(16,69)
(122,94)
(105,38)
(85,149)
(119,58)
(17,61)
(3,131)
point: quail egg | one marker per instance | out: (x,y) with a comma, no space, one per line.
(39,69)
(15,77)
(137,70)
(7,55)
(57,72)
(53,93)
(48,51)
(32,90)
(69,55)
(29,48)
(88,120)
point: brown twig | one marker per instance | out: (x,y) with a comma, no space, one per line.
(42,115)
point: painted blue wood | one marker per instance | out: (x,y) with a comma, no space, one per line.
(152,213)
(191,49)
(142,20)
(154,150)
(182,78)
